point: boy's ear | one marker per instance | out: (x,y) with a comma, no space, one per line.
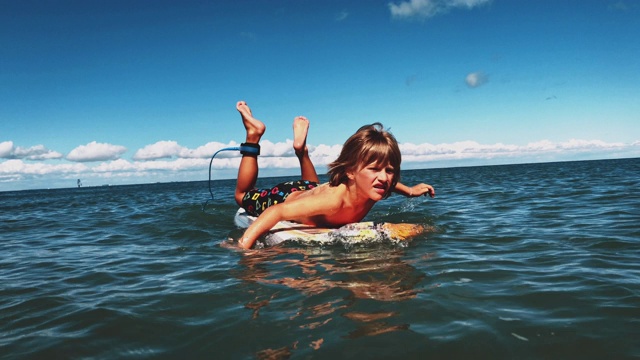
(351,174)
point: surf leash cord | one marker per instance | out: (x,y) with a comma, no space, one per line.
(232,148)
(244,148)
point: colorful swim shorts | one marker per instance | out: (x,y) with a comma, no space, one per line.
(258,200)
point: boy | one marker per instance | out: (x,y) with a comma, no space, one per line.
(367,171)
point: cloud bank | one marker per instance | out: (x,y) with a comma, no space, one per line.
(168,160)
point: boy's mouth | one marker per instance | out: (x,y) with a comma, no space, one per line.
(382,187)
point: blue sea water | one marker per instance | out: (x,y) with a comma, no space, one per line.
(536,261)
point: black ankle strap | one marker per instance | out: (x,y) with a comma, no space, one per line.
(250,149)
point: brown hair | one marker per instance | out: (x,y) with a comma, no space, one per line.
(370,144)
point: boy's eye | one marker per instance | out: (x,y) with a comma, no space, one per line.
(376,168)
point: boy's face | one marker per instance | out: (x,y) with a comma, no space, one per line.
(373,180)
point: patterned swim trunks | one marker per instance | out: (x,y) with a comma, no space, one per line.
(258,200)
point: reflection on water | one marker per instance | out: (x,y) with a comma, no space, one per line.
(340,279)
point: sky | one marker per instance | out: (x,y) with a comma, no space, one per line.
(128,92)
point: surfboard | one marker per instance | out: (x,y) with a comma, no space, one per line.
(361,232)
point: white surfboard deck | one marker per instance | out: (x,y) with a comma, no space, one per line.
(287,230)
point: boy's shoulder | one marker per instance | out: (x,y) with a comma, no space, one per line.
(327,188)
(330,194)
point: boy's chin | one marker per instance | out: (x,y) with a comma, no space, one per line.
(377,195)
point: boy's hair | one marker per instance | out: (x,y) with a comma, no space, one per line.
(370,144)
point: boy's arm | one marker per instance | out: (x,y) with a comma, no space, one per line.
(286,211)
(416,190)
(268,219)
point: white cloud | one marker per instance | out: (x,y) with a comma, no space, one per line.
(475,150)
(342,15)
(18,168)
(6,148)
(37,152)
(119,165)
(207,150)
(414,8)
(95,151)
(180,164)
(476,79)
(576,144)
(171,149)
(278,149)
(466,3)
(543,145)
(422,9)
(159,150)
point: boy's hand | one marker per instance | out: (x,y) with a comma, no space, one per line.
(422,189)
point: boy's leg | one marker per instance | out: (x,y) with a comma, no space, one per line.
(300,130)
(248,171)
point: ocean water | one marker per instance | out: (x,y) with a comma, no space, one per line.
(537,261)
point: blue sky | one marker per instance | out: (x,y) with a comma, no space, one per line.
(123,92)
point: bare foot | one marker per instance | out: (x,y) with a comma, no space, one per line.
(255,128)
(300,129)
